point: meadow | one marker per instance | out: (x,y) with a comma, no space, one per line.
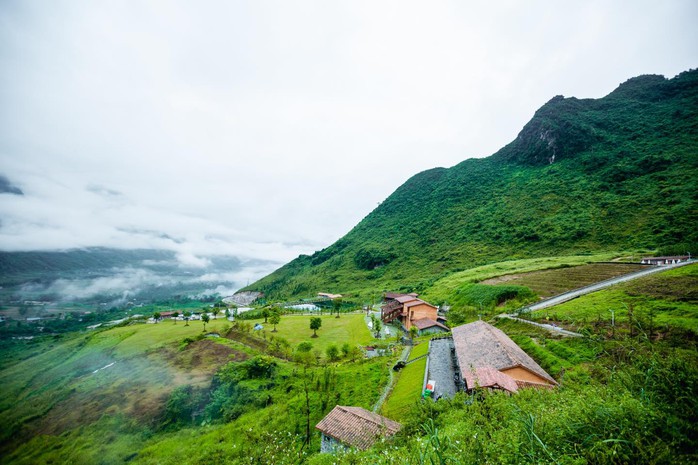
(408,385)
(349,327)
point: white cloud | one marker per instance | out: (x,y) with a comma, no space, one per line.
(268,129)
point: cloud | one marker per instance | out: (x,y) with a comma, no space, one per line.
(269,130)
(6,187)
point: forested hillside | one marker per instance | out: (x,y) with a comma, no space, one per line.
(583,176)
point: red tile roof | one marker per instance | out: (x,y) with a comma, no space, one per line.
(394,295)
(479,344)
(415,302)
(424,323)
(488,377)
(356,426)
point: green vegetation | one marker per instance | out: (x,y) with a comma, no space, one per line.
(582,177)
(549,283)
(175,396)
(408,387)
(350,328)
(657,305)
(585,181)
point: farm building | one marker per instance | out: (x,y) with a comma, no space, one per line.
(488,358)
(665,260)
(410,310)
(346,427)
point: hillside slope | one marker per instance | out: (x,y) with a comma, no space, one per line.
(583,176)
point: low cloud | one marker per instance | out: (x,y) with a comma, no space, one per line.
(6,187)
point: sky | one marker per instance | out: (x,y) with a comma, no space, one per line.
(267,129)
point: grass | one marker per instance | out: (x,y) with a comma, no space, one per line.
(58,385)
(659,300)
(548,283)
(295,329)
(444,289)
(408,387)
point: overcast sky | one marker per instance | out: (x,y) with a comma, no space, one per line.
(265,129)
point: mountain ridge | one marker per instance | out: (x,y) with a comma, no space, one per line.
(583,176)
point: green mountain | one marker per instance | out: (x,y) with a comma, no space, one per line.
(583,176)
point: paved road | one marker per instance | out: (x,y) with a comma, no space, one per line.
(598,286)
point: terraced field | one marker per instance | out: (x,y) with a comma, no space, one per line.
(548,283)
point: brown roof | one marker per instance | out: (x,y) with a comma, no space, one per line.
(415,302)
(489,377)
(424,323)
(394,295)
(479,344)
(356,426)
(406,298)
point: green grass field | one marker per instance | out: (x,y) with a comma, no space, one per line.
(408,387)
(295,329)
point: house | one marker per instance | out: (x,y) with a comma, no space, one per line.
(665,260)
(488,358)
(429,326)
(346,427)
(327,295)
(408,309)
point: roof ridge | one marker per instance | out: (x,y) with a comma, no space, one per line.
(503,343)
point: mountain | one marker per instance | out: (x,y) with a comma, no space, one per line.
(95,275)
(617,173)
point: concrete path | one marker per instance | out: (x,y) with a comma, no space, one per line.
(598,286)
(441,369)
(389,387)
(549,327)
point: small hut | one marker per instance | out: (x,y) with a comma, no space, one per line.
(346,427)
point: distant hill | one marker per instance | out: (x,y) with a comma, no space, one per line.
(103,275)
(583,176)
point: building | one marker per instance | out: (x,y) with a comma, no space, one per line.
(665,260)
(488,358)
(327,295)
(346,427)
(429,326)
(408,310)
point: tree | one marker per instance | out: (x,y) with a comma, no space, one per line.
(337,304)
(175,315)
(187,315)
(156,316)
(376,326)
(227,313)
(413,333)
(205,319)
(265,314)
(315,324)
(215,312)
(275,319)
